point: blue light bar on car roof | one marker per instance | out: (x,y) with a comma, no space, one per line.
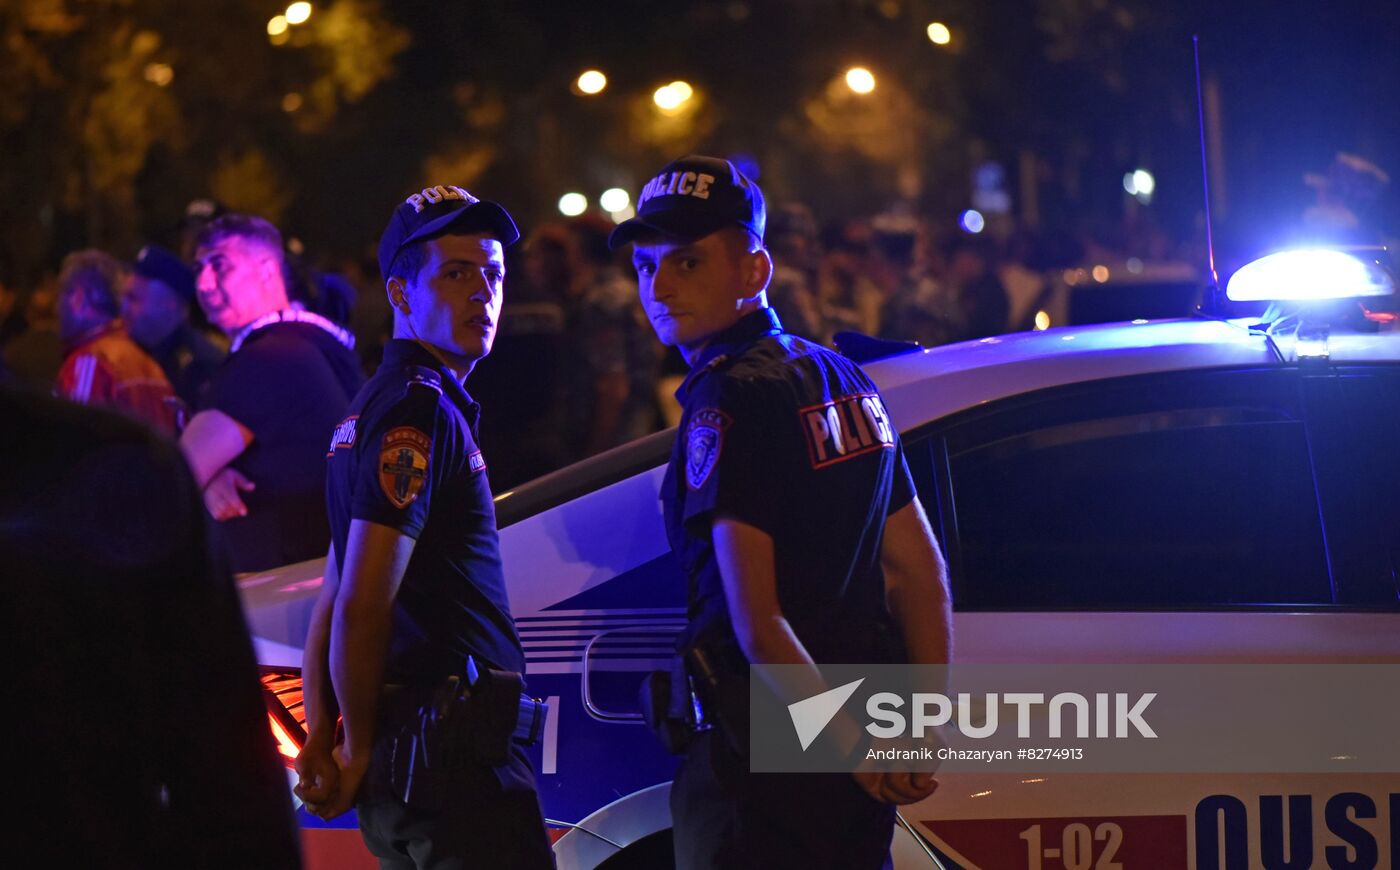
(1309,275)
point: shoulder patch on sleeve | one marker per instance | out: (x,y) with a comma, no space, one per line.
(403,464)
(344,434)
(704,439)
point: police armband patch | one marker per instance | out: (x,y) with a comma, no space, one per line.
(845,428)
(476,463)
(403,464)
(704,439)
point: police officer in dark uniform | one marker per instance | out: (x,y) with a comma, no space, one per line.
(414,586)
(792,512)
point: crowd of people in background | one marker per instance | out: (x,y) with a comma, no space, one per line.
(576,369)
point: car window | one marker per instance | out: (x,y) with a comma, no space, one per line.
(1354,429)
(1192,489)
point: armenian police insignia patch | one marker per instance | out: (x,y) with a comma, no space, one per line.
(403,464)
(703,442)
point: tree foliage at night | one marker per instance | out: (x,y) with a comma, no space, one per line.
(115,113)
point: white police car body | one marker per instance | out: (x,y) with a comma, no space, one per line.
(1172,491)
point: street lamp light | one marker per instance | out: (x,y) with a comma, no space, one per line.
(614,199)
(159,74)
(860,80)
(665,98)
(298,12)
(277,25)
(939,34)
(1140,184)
(670,97)
(573,204)
(591,82)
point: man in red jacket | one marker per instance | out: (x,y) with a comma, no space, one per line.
(103,365)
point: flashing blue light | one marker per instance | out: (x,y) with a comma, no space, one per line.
(972,221)
(1309,275)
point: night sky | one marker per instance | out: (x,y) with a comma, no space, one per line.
(1090,88)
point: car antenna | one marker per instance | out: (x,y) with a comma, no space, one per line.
(1213,304)
(1212,300)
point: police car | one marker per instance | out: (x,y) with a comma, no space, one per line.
(1192,490)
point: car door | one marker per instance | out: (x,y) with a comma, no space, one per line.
(1218,516)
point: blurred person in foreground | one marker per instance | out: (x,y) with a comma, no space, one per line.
(791,510)
(257,443)
(103,365)
(411,639)
(141,736)
(156,310)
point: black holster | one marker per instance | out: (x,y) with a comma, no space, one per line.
(706,688)
(666,706)
(720,676)
(437,733)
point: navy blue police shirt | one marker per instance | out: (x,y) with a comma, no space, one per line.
(793,439)
(406,457)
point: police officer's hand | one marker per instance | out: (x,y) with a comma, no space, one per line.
(896,787)
(352,773)
(318,776)
(221,495)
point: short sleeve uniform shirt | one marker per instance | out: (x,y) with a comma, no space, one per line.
(406,457)
(794,439)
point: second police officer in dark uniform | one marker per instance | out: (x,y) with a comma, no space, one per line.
(793,515)
(431,757)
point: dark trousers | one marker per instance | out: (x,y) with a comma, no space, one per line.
(725,817)
(485,818)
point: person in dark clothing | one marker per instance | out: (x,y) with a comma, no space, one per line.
(793,515)
(141,736)
(257,443)
(616,352)
(414,589)
(35,355)
(156,311)
(526,380)
(981,301)
(794,239)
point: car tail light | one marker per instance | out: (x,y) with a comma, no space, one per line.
(286,715)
